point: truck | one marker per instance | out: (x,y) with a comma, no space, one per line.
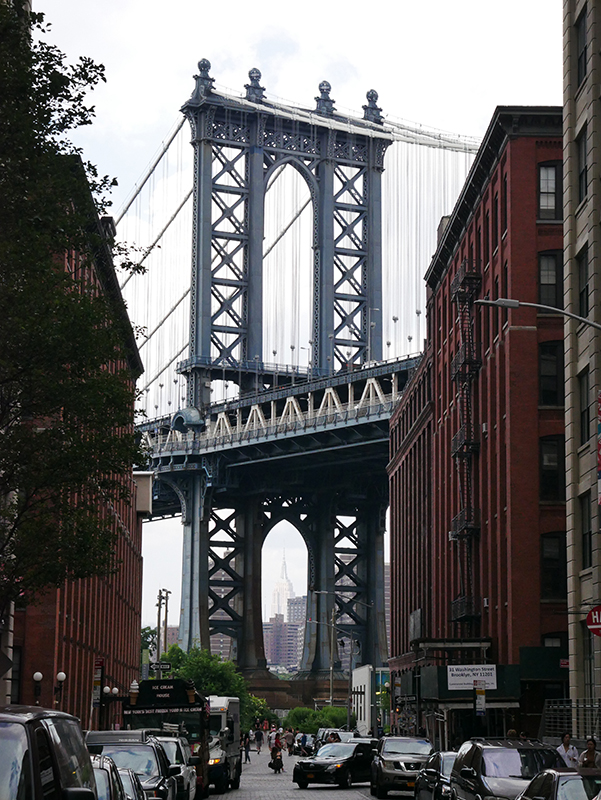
(225,757)
(169,706)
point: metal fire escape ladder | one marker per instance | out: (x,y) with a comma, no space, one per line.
(465,367)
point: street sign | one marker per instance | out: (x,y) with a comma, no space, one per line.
(405,698)
(480,699)
(593,620)
(164,666)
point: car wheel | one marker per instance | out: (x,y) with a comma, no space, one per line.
(346,780)
(302,784)
(381,792)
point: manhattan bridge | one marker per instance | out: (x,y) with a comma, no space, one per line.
(273,363)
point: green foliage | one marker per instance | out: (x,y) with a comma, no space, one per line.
(310,721)
(257,709)
(175,656)
(66,440)
(148,638)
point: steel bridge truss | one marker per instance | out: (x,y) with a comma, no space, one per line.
(239,148)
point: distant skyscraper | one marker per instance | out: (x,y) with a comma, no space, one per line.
(282,591)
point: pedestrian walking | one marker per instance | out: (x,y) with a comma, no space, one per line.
(590,758)
(259,739)
(568,752)
(289,739)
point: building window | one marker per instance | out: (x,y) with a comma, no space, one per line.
(581,144)
(552,469)
(581,47)
(504,205)
(550,279)
(486,238)
(495,223)
(585,419)
(550,191)
(551,378)
(582,264)
(586,530)
(553,563)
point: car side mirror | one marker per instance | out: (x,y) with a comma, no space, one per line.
(78,793)
(193,761)
(173,770)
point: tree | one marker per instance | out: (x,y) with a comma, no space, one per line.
(66,392)
(148,639)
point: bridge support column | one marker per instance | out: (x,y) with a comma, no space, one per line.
(321,598)
(371,527)
(251,650)
(193,626)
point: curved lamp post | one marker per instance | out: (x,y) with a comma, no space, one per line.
(506,302)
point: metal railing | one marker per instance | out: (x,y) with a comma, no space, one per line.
(580,718)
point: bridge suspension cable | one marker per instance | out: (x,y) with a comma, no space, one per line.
(138,187)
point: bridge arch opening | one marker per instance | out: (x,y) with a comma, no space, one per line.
(284,561)
(288,269)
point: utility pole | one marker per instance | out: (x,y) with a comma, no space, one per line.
(159,606)
(166,594)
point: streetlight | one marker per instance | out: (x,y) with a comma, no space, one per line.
(506,302)
(58,689)
(37,686)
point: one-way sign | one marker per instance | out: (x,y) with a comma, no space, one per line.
(164,666)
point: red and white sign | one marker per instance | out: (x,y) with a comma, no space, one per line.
(593,620)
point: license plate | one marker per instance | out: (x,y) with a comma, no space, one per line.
(310,775)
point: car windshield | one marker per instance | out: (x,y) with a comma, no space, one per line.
(516,763)
(580,787)
(336,750)
(139,757)
(15,768)
(447,763)
(406,747)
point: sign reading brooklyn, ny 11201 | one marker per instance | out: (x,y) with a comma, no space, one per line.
(462,676)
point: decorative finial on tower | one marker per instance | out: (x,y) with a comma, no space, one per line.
(325,104)
(204,83)
(371,110)
(254,90)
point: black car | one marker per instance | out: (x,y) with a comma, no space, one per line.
(397,761)
(131,784)
(499,768)
(42,754)
(561,784)
(143,754)
(341,763)
(433,780)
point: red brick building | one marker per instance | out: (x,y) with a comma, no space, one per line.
(478,564)
(96,622)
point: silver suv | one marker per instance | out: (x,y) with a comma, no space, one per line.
(396,764)
(179,754)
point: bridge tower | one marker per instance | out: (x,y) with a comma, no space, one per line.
(337,504)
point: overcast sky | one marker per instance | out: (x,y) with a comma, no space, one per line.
(444,64)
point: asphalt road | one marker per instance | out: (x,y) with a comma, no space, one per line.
(259,783)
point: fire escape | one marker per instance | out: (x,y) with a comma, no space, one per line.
(465,526)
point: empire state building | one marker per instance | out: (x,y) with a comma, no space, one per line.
(281,592)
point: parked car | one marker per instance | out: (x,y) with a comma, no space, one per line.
(179,754)
(42,754)
(499,768)
(131,784)
(561,784)
(342,763)
(396,763)
(109,785)
(433,779)
(141,752)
